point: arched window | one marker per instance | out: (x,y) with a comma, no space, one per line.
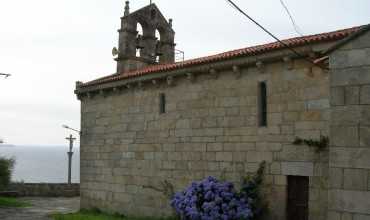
(157,34)
(158,51)
(139,43)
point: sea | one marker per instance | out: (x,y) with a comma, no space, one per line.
(42,164)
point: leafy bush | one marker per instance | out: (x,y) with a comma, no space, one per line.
(6,168)
(252,189)
(211,199)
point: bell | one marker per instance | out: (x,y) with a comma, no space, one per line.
(139,44)
(158,49)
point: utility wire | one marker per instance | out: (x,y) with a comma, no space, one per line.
(295,26)
(272,35)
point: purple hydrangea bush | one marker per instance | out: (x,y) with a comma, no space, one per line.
(211,199)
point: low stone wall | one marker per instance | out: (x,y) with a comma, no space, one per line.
(45,189)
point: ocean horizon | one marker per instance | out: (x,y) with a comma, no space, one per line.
(42,164)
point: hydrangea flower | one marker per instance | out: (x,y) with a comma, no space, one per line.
(211,199)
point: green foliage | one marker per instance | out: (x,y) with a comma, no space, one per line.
(319,144)
(252,189)
(12,202)
(6,168)
(98,215)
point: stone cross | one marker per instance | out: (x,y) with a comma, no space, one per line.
(71,139)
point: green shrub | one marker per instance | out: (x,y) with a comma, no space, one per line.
(6,169)
(252,187)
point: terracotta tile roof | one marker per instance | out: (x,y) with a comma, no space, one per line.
(248,51)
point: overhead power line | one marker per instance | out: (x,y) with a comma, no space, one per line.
(272,35)
(295,26)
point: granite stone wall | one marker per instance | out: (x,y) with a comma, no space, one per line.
(349,193)
(209,128)
(45,189)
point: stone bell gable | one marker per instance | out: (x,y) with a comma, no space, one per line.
(137,51)
(222,115)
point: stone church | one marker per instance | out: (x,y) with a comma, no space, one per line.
(159,120)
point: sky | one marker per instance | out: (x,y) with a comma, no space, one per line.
(48,45)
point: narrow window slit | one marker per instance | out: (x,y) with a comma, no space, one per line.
(162,103)
(262,104)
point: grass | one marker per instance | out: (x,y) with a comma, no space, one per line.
(96,215)
(12,202)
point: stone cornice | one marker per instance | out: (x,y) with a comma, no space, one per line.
(213,69)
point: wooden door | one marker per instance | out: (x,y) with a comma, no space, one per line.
(298,191)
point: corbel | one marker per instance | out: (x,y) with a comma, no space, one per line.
(89,95)
(237,72)
(190,77)
(79,96)
(103,93)
(213,73)
(260,66)
(140,84)
(154,82)
(115,90)
(78,84)
(170,80)
(308,72)
(288,62)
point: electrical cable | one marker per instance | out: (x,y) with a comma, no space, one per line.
(295,26)
(272,35)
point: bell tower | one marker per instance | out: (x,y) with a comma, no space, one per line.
(137,50)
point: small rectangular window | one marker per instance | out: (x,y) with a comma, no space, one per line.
(162,103)
(262,104)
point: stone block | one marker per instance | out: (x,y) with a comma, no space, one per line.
(350,157)
(224,156)
(368,182)
(355,179)
(209,156)
(361,217)
(360,42)
(297,168)
(350,58)
(350,76)
(233,111)
(350,201)
(183,124)
(352,95)
(280,180)
(309,125)
(214,147)
(287,129)
(344,136)
(258,156)
(312,115)
(346,115)
(274,118)
(317,104)
(268,146)
(251,167)
(333,215)
(365,136)
(347,216)
(275,168)
(239,156)
(365,95)
(336,178)
(213,166)
(239,147)
(217,112)
(365,115)
(296,153)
